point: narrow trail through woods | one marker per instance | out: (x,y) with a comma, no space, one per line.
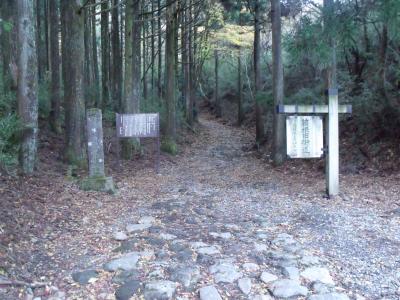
(215,214)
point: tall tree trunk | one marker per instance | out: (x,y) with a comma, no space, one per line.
(191,76)
(116,58)
(8,45)
(186,62)
(384,41)
(240,89)
(88,73)
(279,154)
(218,108)
(136,56)
(27,84)
(96,84)
(331,70)
(257,73)
(105,55)
(153,50)
(73,21)
(170,71)
(144,57)
(55,116)
(159,73)
(40,33)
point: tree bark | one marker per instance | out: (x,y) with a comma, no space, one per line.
(40,36)
(116,58)
(186,62)
(96,78)
(136,56)
(55,89)
(159,73)
(170,70)
(73,21)
(8,45)
(105,55)
(257,73)
(27,85)
(218,108)
(240,89)
(279,154)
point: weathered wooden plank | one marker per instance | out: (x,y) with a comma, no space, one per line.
(311,109)
(333,142)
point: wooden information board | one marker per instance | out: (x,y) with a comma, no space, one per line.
(305,137)
(139,126)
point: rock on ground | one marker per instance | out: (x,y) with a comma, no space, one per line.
(127,262)
(160,290)
(127,290)
(268,277)
(314,274)
(287,288)
(209,293)
(225,272)
(84,277)
(329,296)
(245,285)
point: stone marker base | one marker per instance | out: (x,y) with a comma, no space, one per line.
(99,184)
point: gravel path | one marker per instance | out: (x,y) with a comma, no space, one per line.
(220,223)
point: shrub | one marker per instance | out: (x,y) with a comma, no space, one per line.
(10,131)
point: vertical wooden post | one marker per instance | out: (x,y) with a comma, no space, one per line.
(332,158)
(95,143)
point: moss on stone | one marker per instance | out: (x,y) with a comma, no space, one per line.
(168,145)
(99,184)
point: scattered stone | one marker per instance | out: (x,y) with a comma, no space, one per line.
(283,239)
(127,290)
(222,235)
(210,250)
(260,247)
(120,236)
(154,241)
(233,227)
(126,262)
(330,296)
(291,272)
(185,255)
(125,276)
(268,277)
(314,274)
(157,273)
(262,236)
(250,267)
(286,288)
(320,288)
(225,271)
(85,277)
(245,285)
(262,297)
(159,290)
(147,220)
(209,293)
(309,260)
(130,228)
(188,276)
(167,236)
(126,246)
(204,259)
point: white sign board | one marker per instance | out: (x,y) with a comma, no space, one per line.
(304,136)
(138,125)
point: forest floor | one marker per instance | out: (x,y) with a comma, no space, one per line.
(219,221)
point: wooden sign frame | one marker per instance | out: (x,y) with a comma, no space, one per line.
(331,122)
(138,131)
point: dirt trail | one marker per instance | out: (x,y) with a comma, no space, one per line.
(215,207)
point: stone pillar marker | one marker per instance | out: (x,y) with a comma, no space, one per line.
(97,180)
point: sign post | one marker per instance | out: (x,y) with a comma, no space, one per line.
(140,126)
(97,180)
(305,135)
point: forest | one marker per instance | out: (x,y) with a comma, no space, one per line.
(227,213)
